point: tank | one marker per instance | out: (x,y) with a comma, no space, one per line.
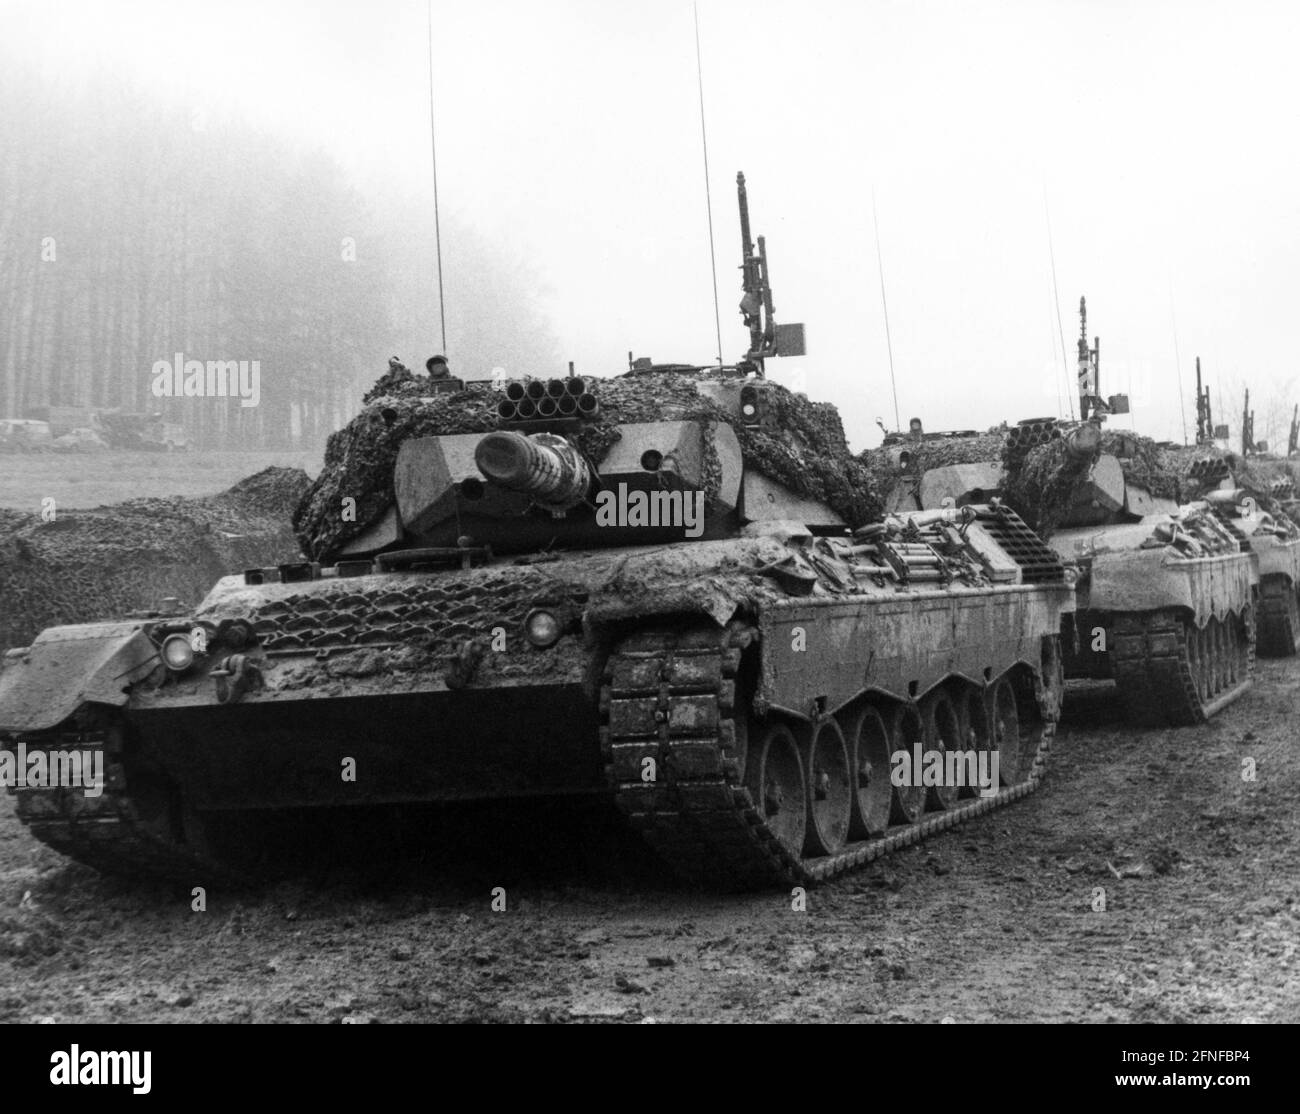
(673,589)
(1256,497)
(1170,553)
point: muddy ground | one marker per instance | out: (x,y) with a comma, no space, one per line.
(991,922)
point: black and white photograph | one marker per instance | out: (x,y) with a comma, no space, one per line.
(575,513)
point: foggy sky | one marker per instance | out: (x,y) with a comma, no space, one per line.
(1161,135)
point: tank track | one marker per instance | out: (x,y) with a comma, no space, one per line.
(1168,673)
(108,832)
(1279,618)
(670,695)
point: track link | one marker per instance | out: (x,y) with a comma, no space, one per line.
(1157,677)
(1279,618)
(670,695)
(109,832)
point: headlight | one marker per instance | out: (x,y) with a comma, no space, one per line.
(542,629)
(177,653)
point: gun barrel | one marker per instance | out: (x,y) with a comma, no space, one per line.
(1225,497)
(1081,443)
(544,466)
(746,244)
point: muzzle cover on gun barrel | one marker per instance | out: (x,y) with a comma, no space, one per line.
(543,465)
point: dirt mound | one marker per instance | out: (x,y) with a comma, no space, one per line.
(96,564)
(807,452)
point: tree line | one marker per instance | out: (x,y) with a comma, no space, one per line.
(133,230)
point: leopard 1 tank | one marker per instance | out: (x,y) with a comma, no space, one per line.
(1167,575)
(673,589)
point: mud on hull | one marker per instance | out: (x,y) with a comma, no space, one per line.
(1168,671)
(737,797)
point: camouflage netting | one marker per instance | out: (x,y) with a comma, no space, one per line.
(1041,489)
(1249,474)
(978,449)
(1144,464)
(815,462)
(1040,485)
(1039,482)
(397,382)
(89,565)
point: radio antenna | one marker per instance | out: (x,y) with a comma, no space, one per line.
(1056,297)
(1178,370)
(433,147)
(708,199)
(889,343)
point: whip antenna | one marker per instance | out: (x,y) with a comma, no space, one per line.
(433,147)
(1056,297)
(1178,368)
(708,200)
(889,344)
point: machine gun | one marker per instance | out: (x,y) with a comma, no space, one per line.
(766,337)
(1089,375)
(1204,417)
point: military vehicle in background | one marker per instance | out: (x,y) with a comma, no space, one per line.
(67,419)
(143,432)
(91,429)
(1257,494)
(1167,550)
(671,589)
(25,435)
(74,429)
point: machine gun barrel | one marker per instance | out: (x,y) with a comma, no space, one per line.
(543,465)
(756,305)
(746,241)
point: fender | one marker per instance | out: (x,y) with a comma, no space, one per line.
(66,667)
